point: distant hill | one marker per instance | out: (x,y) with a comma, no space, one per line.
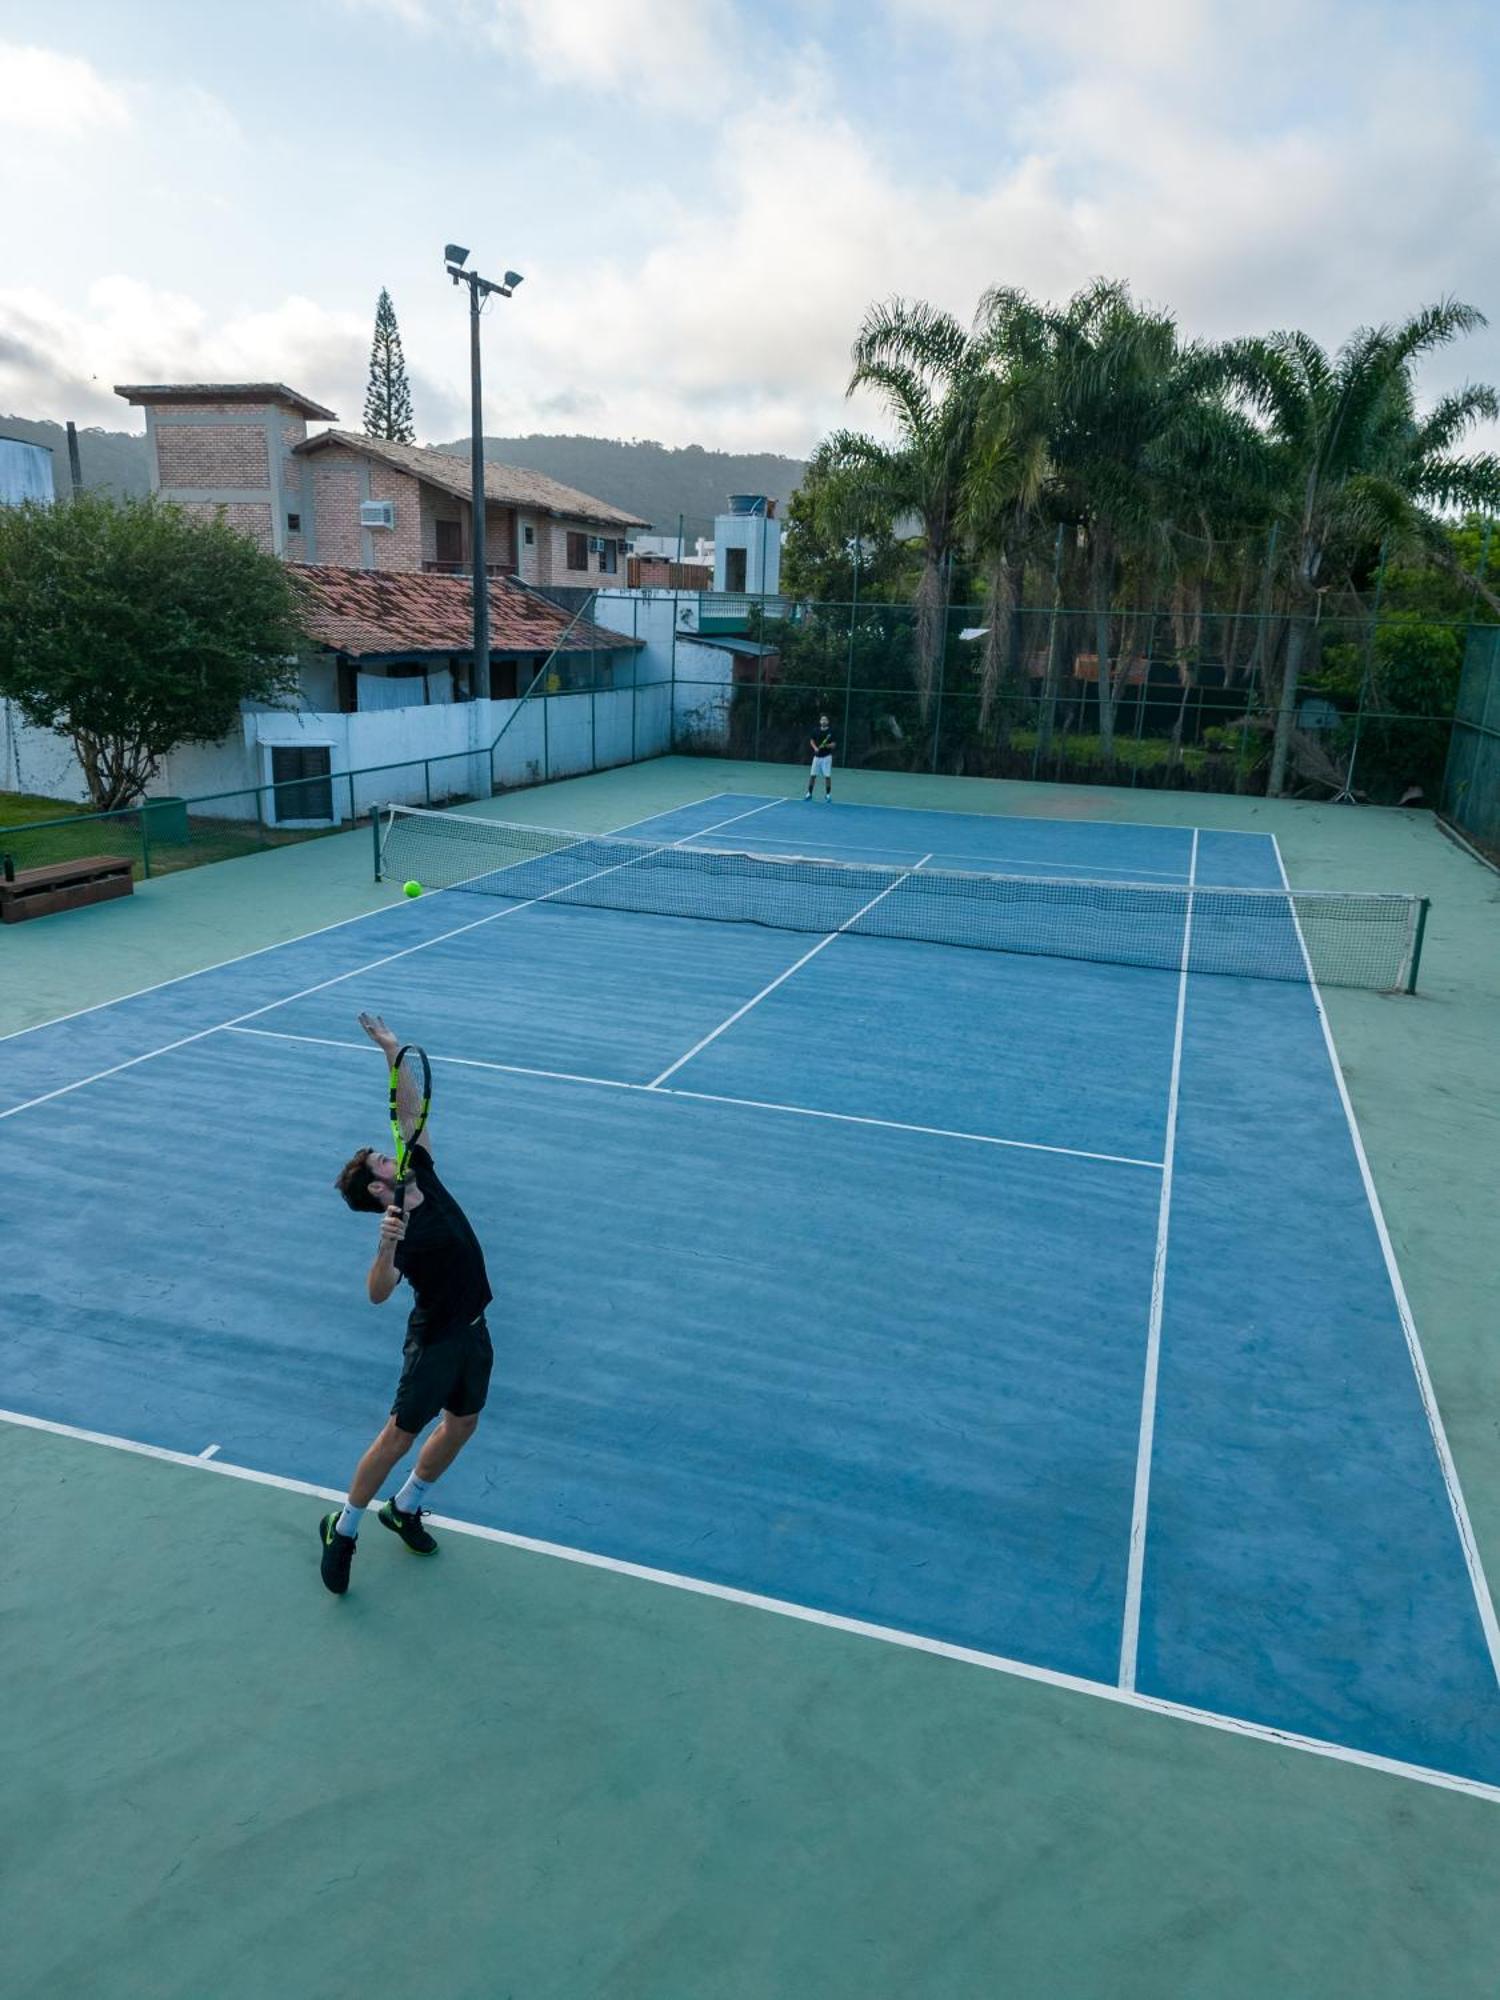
(656,481)
(113,461)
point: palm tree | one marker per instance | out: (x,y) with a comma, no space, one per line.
(931,376)
(1009,471)
(1356,461)
(1137,412)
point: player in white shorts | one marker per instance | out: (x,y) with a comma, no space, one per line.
(823,747)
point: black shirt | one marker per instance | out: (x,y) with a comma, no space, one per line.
(440,1258)
(822,744)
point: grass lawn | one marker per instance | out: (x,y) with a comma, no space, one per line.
(31,842)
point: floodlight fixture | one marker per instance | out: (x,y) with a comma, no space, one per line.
(512,279)
(454,253)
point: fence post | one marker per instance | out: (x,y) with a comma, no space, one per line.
(546,738)
(145,819)
(1416,944)
(427,778)
(849,658)
(942,662)
(375,835)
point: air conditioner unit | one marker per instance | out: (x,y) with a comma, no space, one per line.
(377,513)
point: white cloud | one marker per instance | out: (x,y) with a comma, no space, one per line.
(719,307)
(670,53)
(57,96)
(61,361)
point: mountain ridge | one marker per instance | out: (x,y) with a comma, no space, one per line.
(656,481)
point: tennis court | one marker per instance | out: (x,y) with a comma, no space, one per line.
(1019,1300)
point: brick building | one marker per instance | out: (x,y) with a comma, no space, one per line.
(338,504)
(341,499)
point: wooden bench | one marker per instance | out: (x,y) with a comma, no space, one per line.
(65,885)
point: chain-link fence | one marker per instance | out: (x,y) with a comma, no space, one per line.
(1186,700)
(1471,783)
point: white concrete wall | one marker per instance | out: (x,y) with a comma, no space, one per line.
(760,537)
(412,755)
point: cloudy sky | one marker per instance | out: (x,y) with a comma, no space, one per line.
(704,195)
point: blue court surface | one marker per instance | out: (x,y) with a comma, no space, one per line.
(1028,1304)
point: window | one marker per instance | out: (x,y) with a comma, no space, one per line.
(734,569)
(294,524)
(609,557)
(528,535)
(578,551)
(448,543)
(302,776)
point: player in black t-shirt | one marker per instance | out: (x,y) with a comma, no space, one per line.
(447,1357)
(823,747)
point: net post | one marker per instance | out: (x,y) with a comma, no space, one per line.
(1424,904)
(375,832)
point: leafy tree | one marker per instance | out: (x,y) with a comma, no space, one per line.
(388,412)
(1356,461)
(839,544)
(133,628)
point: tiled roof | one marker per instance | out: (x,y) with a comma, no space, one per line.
(363,612)
(511,485)
(223,392)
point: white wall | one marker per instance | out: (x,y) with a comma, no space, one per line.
(760,537)
(34,760)
(413,755)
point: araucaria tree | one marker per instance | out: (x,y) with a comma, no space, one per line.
(133,628)
(388,412)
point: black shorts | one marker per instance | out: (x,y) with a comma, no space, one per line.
(451,1373)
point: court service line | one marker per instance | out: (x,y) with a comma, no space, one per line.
(1053,871)
(716,1097)
(1136,1567)
(342,923)
(1479,1583)
(780,980)
(858,1628)
(374,965)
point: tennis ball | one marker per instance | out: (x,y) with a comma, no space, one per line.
(412,889)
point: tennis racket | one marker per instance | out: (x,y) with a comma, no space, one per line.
(411,1099)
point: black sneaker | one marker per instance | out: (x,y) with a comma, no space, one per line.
(408,1527)
(338,1553)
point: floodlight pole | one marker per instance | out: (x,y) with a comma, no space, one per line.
(481,672)
(479,289)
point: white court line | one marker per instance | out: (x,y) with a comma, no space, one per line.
(915,1642)
(208,1451)
(716,1097)
(286,999)
(896,1125)
(1483,1600)
(985,863)
(822,945)
(1047,819)
(1136,1568)
(341,923)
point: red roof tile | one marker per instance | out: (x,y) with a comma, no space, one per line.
(362,612)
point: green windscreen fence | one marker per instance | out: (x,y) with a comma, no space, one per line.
(1368,940)
(1471,783)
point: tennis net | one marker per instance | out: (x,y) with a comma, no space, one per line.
(1349,939)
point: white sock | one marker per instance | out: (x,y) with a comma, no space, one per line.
(413,1493)
(348,1522)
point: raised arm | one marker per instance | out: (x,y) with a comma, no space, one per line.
(406,1103)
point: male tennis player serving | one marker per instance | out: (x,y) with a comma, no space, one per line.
(448,1357)
(822,746)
